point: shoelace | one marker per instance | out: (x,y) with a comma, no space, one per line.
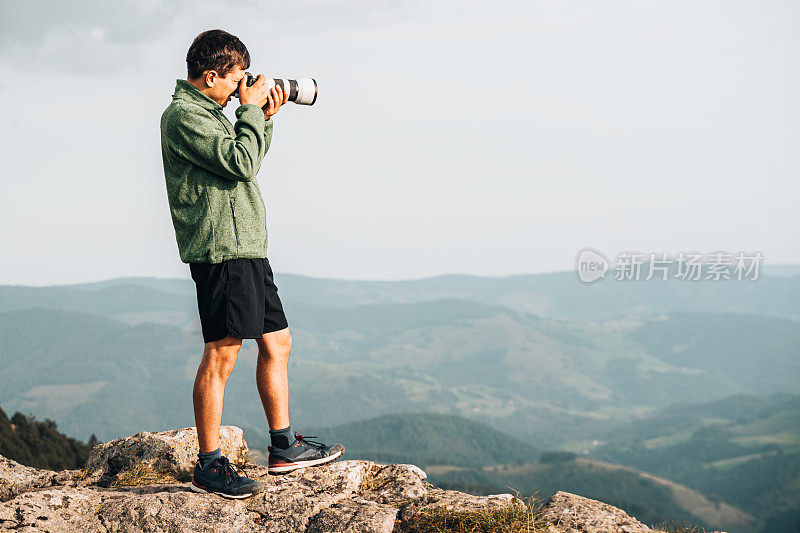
(228,470)
(315,444)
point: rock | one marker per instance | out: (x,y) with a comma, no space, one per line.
(179,510)
(53,509)
(163,456)
(394,484)
(452,500)
(570,513)
(132,484)
(16,478)
(289,501)
(354,516)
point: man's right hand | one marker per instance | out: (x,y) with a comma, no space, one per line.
(256,94)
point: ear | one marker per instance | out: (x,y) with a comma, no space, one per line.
(210,77)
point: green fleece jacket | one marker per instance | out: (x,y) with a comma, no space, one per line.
(210,168)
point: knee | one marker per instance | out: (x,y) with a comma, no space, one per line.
(287,344)
(283,345)
(220,362)
(276,346)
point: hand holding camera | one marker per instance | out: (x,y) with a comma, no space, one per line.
(276,99)
(260,94)
(256,93)
(277,92)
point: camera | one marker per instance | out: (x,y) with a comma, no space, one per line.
(302,91)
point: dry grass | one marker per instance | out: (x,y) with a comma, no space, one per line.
(248,460)
(524,517)
(141,474)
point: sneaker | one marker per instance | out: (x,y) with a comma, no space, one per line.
(302,453)
(221,478)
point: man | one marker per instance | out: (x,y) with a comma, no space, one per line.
(219,218)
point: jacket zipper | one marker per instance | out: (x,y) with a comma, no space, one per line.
(235,229)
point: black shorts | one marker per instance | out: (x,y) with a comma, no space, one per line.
(237,297)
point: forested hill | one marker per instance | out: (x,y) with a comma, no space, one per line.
(40,444)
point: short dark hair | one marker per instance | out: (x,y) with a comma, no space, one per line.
(216,50)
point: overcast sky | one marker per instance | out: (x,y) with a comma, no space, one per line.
(486,138)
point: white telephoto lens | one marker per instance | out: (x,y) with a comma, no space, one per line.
(306,91)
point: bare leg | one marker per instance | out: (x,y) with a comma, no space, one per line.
(272,377)
(219,358)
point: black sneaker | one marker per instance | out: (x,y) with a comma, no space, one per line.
(302,453)
(221,478)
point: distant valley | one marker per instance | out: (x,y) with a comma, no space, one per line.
(592,370)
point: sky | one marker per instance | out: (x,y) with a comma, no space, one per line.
(470,137)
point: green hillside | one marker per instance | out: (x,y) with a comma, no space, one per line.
(93,374)
(40,444)
(744,450)
(729,345)
(426,439)
(548,381)
(126,302)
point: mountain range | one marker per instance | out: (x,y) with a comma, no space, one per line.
(558,364)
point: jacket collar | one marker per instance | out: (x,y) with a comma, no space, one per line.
(186,91)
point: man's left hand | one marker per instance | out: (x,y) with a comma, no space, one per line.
(275,99)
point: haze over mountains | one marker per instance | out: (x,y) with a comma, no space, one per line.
(557,363)
(554,295)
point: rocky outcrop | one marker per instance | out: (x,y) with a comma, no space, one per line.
(139,483)
(168,454)
(570,513)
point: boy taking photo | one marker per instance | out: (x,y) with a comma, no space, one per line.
(218,213)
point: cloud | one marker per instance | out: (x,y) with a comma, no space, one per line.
(81,36)
(98,36)
(32,23)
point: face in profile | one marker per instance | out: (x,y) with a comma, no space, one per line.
(223,87)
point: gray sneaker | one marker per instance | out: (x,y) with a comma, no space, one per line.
(220,477)
(302,453)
